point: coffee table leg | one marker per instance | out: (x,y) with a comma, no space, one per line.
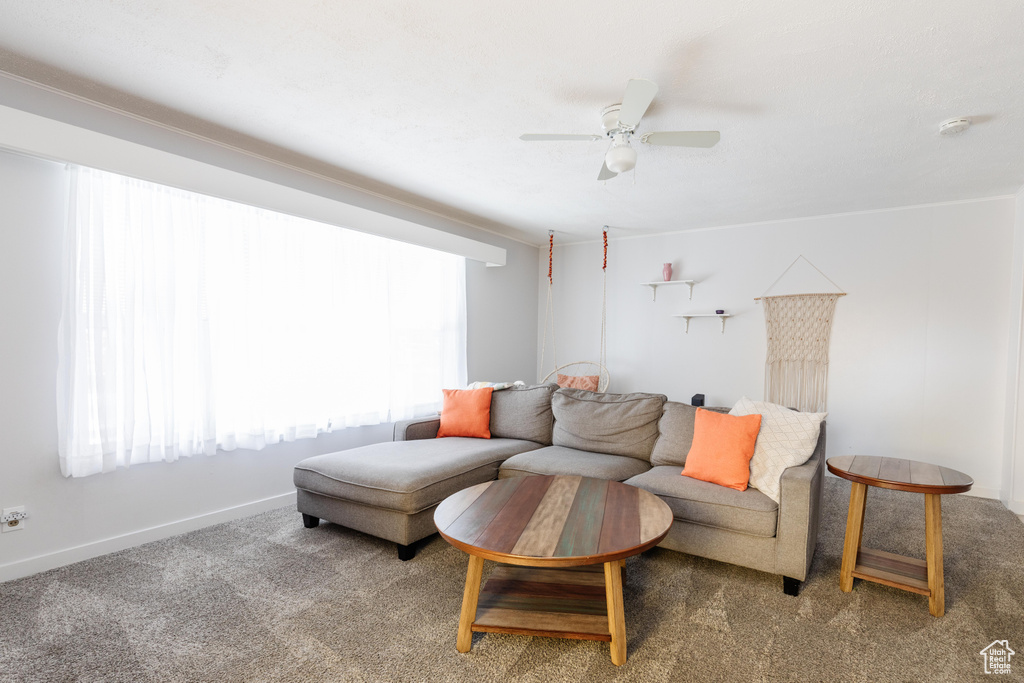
(469,598)
(933,551)
(854,531)
(616,614)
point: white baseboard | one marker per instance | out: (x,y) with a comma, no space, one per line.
(60,558)
(979,492)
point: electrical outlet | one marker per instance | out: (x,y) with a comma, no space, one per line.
(13,519)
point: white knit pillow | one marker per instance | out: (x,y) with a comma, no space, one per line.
(787,439)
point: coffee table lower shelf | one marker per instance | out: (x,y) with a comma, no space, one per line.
(554,603)
(891,569)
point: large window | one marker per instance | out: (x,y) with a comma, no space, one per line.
(191,323)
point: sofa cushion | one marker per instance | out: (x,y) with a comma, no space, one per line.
(700,502)
(588,382)
(523,413)
(562,460)
(466,412)
(722,448)
(407,476)
(787,439)
(675,433)
(616,424)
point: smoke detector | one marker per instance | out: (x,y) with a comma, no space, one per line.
(954,126)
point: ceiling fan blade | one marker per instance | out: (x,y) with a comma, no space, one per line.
(683,138)
(605,173)
(639,94)
(546,137)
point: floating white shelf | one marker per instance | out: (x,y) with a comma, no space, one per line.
(687,316)
(654,286)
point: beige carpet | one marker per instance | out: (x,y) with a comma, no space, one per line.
(264,599)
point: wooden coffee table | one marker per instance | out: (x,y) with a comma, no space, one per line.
(910,574)
(555,530)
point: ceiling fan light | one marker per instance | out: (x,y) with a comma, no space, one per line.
(620,158)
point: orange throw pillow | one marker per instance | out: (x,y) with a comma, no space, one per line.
(722,448)
(466,412)
(588,382)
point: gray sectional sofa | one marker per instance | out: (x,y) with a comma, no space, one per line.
(391,489)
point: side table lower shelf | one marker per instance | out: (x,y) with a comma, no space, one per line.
(556,603)
(907,573)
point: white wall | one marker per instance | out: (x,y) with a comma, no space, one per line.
(1013,468)
(72,519)
(919,346)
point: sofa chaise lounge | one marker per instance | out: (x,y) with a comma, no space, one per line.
(391,489)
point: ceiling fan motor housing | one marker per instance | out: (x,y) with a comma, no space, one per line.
(610,118)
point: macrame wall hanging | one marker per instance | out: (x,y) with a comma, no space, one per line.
(799,328)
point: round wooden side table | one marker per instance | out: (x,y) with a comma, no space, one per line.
(910,574)
(557,531)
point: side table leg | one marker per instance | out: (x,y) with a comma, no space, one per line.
(469,598)
(854,531)
(616,614)
(933,551)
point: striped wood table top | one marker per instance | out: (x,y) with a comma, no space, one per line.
(553,521)
(899,474)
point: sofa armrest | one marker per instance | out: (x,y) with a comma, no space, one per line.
(420,428)
(800,514)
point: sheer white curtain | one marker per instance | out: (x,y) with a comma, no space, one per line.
(191,324)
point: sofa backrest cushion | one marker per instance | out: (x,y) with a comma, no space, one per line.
(676,433)
(523,413)
(617,424)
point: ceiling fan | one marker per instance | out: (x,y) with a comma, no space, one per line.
(619,122)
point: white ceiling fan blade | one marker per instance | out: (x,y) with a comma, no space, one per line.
(606,173)
(546,137)
(639,94)
(683,138)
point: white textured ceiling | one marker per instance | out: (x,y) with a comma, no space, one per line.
(824,107)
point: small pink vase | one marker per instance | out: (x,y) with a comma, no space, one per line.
(666,272)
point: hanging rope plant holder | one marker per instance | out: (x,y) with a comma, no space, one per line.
(580,372)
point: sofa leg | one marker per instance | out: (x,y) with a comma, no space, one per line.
(790,586)
(406,552)
(309,521)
